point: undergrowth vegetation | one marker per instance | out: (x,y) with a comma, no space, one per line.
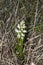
(21,32)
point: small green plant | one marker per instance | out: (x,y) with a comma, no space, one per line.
(20,33)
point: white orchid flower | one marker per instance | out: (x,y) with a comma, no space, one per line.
(20,30)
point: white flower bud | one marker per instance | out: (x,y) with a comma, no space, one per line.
(22,37)
(22,22)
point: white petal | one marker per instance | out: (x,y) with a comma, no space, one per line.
(24,31)
(16,30)
(22,35)
(18,26)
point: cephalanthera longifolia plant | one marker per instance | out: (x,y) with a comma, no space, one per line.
(20,33)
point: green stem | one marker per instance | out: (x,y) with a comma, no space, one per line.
(20,48)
